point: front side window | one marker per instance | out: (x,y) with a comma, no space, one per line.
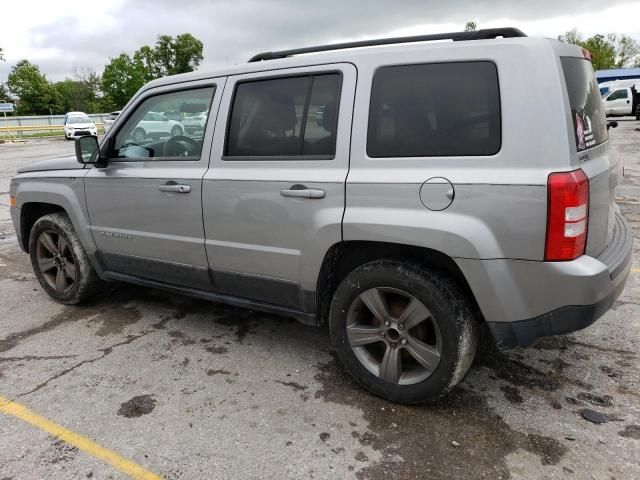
(439,109)
(617,95)
(150,135)
(284,117)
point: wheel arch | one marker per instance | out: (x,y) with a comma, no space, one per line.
(343,257)
(30,212)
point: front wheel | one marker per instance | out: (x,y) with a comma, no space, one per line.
(405,333)
(59,260)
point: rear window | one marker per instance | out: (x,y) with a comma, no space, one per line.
(438,109)
(587,110)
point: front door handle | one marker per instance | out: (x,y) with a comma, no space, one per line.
(300,191)
(175,188)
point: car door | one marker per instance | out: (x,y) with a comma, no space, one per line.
(145,206)
(274,195)
(618,103)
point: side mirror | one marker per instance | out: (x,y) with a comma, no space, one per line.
(87,150)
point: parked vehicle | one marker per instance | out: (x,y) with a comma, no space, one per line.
(155,125)
(622,101)
(423,202)
(78,124)
(195,122)
(110,120)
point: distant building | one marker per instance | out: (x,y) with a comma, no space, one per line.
(617,74)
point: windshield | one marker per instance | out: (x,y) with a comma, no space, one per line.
(587,110)
(76,120)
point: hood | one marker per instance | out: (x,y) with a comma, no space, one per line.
(64,163)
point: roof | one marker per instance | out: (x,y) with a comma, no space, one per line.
(350,55)
(618,73)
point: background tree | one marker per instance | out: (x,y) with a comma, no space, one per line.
(610,51)
(1,54)
(122,78)
(81,93)
(471,26)
(627,52)
(124,75)
(170,55)
(37,96)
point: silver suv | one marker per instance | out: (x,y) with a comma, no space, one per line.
(405,191)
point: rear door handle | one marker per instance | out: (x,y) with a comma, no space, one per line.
(300,191)
(175,188)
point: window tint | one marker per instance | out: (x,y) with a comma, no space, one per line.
(284,117)
(440,109)
(617,94)
(149,135)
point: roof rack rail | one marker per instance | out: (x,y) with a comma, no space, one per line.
(485,34)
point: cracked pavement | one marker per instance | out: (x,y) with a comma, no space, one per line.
(191,389)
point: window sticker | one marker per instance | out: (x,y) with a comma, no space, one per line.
(584,132)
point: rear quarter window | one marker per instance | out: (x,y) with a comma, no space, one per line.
(438,109)
(587,110)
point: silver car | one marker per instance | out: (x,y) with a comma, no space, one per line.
(407,192)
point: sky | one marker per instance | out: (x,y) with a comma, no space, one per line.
(59,40)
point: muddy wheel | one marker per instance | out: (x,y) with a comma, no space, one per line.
(60,261)
(405,333)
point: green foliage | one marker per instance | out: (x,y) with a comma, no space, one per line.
(610,51)
(170,55)
(122,78)
(80,93)
(628,52)
(36,95)
(471,26)
(4,93)
(124,75)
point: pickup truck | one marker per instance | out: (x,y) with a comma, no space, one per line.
(622,101)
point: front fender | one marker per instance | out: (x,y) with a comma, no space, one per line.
(64,192)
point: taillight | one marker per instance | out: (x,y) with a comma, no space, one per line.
(567,215)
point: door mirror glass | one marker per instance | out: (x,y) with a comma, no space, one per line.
(87,149)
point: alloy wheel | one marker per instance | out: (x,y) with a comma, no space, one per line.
(55,261)
(394,336)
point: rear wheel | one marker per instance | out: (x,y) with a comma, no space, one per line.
(59,260)
(405,333)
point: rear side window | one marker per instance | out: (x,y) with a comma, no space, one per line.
(439,109)
(284,117)
(587,110)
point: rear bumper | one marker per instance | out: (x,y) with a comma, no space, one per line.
(523,301)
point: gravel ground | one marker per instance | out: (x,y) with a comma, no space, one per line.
(190,389)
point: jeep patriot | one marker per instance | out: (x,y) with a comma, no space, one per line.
(403,190)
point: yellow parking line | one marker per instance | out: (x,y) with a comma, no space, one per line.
(9,407)
(635,270)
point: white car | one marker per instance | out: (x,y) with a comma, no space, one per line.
(156,125)
(78,124)
(196,122)
(110,120)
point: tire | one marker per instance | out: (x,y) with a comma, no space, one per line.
(138,135)
(445,339)
(175,131)
(59,260)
